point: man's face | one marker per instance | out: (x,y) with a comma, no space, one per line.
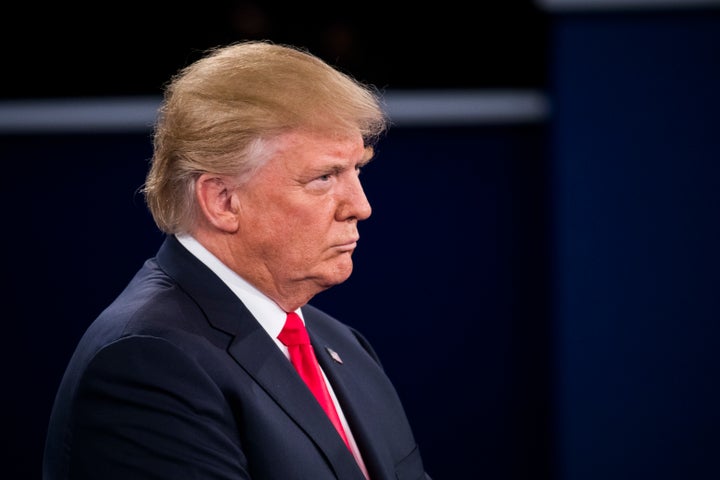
(300,212)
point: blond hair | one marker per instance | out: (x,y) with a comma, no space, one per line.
(221,113)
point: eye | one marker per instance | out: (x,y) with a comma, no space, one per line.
(321,183)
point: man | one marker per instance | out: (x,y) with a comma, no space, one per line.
(188,373)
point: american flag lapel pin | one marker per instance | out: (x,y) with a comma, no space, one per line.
(334,355)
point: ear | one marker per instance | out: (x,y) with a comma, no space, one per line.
(217,201)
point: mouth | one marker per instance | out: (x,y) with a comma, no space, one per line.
(347,246)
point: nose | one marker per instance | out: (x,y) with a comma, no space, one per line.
(353,205)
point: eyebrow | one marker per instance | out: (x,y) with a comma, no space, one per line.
(367,157)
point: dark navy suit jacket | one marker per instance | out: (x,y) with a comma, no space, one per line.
(177,380)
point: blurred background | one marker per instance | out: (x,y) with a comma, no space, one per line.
(545,205)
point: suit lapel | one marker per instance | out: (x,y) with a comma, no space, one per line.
(276,375)
(354,400)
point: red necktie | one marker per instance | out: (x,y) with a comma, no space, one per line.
(302,356)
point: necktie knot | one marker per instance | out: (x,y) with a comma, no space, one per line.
(294,332)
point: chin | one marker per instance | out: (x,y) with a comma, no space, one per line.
(339,274)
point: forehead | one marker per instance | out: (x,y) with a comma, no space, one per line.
(310,146)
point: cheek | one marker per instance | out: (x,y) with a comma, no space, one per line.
(291,231)
(303,218)
(290,225)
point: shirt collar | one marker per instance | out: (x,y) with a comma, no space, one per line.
(270,316)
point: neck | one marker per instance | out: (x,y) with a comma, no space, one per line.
(288,295)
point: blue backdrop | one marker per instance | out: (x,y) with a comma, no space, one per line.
(636,184)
